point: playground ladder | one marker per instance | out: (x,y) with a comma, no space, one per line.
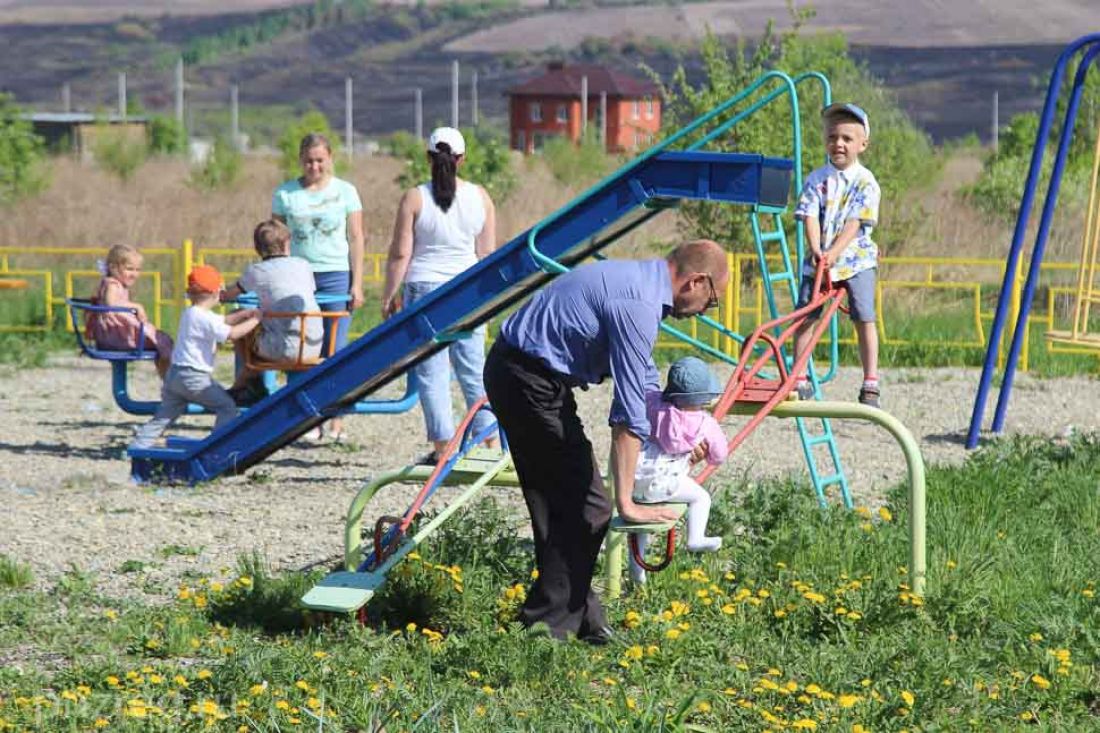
(812,432)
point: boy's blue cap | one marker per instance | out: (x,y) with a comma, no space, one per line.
(691,383)
(851,109)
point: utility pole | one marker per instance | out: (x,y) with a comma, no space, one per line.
(418,113)
(179,91)
(603,121)
(66,98)
(234,118)
(473,97)
(584,105)
(122,95)
(454,94)
(348,115)
(996,122)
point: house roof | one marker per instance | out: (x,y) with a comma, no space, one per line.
(72,118)
(565,81)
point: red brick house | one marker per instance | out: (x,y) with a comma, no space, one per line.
(550,105)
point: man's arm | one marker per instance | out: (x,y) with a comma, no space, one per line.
(625,449)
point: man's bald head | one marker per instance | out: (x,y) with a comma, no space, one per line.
(699,271)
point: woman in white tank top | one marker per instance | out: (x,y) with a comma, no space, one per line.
(442,228)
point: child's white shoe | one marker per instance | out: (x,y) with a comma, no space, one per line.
(707,544)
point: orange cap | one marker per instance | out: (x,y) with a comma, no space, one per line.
(204,279)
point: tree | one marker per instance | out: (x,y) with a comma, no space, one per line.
(900,154)
(22,155)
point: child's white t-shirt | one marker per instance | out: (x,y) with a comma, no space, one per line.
(200,332)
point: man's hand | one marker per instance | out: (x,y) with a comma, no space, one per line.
(642,513)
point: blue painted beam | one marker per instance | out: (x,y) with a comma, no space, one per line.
(503,278)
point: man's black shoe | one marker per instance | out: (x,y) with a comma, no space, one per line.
(599,637)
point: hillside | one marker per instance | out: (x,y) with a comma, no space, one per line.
(943,61)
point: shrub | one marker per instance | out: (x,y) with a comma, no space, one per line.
(167,136)
(117,152)
(14,574)
(311,122)
(220,170)
(22,155)
(488,162)
(577,163)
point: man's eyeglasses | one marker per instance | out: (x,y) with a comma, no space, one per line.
(713,302)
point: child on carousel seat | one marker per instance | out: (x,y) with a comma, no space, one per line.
(680,423)
(190,378)
(284,284)
(119,330)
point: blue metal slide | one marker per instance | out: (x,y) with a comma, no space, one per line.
(499,281)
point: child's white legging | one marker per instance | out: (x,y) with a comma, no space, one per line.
(698,500)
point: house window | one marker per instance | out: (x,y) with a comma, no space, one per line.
(521,141)
(637,110)
(563,113)
(649,107)
(536,112)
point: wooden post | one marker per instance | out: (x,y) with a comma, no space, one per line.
(179,92)
(454,94)
(348,114)
(584,106)
(419,94)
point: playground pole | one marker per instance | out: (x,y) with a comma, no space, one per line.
(990,363)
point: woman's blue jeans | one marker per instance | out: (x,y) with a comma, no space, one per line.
(433,375)
(336,283)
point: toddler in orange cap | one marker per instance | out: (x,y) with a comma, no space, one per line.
(190,378)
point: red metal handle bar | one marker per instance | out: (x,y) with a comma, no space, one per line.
(670,548)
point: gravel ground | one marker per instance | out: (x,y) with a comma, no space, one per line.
(64,478)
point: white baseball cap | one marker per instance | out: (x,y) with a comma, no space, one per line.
(452,137)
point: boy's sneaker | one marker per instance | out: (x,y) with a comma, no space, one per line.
(869,396)
(805,390)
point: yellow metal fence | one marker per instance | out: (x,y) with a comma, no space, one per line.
(953,297)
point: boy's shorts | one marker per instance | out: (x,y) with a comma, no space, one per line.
(861,295)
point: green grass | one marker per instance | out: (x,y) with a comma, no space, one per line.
(14,574)
(751,638)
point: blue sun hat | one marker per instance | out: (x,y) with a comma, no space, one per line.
(851,110)
(691,383)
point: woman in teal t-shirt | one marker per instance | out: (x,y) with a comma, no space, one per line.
(325,217)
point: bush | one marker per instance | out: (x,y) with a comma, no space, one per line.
(22,155)
(488,162)
(312,122)
(117,152)
(14,574)
(577,164)
(167,136)
(221,169)
(900,155)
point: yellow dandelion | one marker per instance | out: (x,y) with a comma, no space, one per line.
(703,707)
(885,515)
(205,674)
(804,724)
(111,680)
(320,654)
(1040,681)
(672,634)
(1036,636)
(473,674)
(908,697)
(1026,715)
(257,690)
(847,701)
(101,723)
(302,685)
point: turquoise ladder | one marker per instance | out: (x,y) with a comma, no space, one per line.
(812,432)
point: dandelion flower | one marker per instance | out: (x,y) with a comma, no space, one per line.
(908,697)
(1040,681)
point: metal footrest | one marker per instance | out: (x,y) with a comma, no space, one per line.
(343,592)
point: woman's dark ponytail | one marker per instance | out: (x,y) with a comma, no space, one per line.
(444,166)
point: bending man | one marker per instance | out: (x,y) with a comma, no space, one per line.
(598,321)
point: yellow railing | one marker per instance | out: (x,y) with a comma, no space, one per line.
(962,289)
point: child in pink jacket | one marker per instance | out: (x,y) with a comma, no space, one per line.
(679,421)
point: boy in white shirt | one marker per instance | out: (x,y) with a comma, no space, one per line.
(190,378)
(284,284)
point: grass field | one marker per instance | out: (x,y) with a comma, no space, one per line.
(801,622)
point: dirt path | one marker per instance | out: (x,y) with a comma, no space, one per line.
(65,488)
